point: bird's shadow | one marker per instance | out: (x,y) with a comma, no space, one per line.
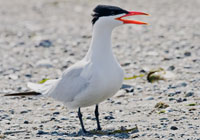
(120,133)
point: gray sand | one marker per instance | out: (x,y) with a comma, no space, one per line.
(41,38)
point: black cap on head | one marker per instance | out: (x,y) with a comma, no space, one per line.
(106,10)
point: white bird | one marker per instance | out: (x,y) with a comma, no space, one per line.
(98,76)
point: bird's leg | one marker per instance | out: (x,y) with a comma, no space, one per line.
(97,117)
(81,121)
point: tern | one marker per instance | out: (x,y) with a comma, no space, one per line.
(98,76)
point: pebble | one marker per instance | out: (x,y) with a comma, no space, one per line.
(127,88)
(26,122)
(179,100)
(189,94)
(171,94)
(56,113)
(149,98)
(183,84)
(60,139)
(164,119)
(23,112)
(40,132)
(45,43)
(171,99)
(109,117)
(167,110)
(64,119)
(125,64)
(171,68)
(187,54)
(44,63)
(12,111)
(174,128)
(28,75)
(172,86)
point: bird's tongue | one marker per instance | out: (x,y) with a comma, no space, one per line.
(126,21)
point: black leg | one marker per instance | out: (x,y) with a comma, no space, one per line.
(81,121)
(97,117)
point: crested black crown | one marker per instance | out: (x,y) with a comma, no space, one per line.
(106,10)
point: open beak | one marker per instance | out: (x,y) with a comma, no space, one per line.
(131,13)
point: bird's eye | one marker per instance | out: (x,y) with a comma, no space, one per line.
(112,13)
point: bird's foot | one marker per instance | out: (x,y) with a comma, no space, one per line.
(99,129)
(84,132)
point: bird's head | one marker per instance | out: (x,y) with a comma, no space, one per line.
(113,16)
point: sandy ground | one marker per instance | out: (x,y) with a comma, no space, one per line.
(39,39)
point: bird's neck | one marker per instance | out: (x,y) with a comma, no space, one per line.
(100,47)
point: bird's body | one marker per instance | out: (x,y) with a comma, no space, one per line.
(85,84)
(98,76)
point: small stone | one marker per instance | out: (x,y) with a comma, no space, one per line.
(60,139)
(187,54)
(40,132)
(149,98)
(171,99)
(52,119)
(56,113)
(167,110)
(172,87)
(179,100)
(125,64)
(86,36)
(183,84)
(164,119)
(184,99)
(44,63)
(171,94)
(135,136)
(127,88)
(63,119)
(109,117)
(26,122)
(142,71)
(119,103)
(28,75)
(171,68)
(12,111)
(23,112)
(174,128)
(41,126)
(189,94)
(45,43)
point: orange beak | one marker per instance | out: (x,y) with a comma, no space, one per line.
(126,21)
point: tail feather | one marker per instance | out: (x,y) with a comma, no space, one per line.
(38,89)
(30,93)
(42,88)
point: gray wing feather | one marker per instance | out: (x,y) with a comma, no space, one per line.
(70,85)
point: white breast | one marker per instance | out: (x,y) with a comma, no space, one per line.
(105,82)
